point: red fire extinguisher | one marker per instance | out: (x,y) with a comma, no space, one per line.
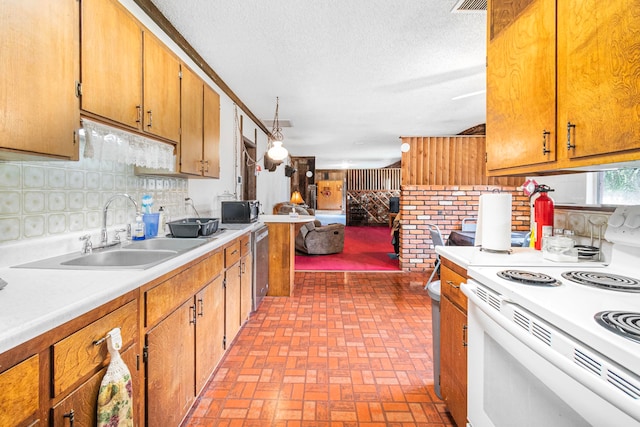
(542,214)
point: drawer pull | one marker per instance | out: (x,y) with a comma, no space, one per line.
(464,335)
(192,314)
(453,285)
(569,127)
(545,150)
(71,415)
(201,307)
(234,252)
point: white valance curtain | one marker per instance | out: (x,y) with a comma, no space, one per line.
(104,143)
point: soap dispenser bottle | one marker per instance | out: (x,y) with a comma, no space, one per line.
(138,228)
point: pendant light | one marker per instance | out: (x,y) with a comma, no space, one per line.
(276,151)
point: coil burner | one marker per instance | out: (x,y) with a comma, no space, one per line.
(623,323)
(603,280)
(528,278)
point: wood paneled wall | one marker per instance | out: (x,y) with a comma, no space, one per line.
(448,160)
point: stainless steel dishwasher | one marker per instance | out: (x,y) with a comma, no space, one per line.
(260,239)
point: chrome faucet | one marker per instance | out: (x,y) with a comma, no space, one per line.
(103,232)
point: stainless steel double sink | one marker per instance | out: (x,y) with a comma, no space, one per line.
(137,255)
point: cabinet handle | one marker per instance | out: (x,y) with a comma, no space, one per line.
(201,306)
(192,309)
(569,127)
(545,134)
(244,267)
(464,335)
(206,168)
(71,415)
(234,252)
(453,285)
(139,113)
(150,113)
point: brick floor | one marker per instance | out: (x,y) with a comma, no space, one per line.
(347,349)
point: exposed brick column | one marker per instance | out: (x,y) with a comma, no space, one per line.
(445,206)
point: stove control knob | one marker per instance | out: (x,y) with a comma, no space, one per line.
(632,221)
(616,220)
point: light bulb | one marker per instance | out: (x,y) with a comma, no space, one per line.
(277,151)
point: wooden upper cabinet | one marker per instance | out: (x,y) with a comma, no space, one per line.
(200,137)
(39,52)
(582,73)
(599,78)
(521,83)
(161,89)
(211,138)
(192,124)
(111,63)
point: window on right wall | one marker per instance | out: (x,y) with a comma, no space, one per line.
(619,187)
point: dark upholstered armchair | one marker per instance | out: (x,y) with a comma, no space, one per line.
(284,208)
(317,239)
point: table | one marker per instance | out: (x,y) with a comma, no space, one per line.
(467,238)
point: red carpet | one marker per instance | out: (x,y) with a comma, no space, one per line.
(365,249)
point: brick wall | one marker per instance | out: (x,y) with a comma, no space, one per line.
(445,206)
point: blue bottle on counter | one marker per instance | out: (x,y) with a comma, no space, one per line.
(137,232)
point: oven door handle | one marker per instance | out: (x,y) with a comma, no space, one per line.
(602,388)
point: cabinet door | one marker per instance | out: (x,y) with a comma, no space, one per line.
(598,76)
(246,283)
(232,302)
(20,392)
(82,401)
(211,140)
(111,63)
(39,52)
(191,116)
(453,360)
(161,90)
(209,330)
(521,83)
(170,364)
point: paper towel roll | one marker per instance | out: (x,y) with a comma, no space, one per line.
(494,222)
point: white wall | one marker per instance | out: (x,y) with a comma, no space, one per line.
(571,189)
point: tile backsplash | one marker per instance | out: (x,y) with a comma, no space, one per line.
(47,198)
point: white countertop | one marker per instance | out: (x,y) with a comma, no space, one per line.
(286,218)
(38,300)
(470,256)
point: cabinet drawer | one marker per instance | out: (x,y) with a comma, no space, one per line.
(76,356)
(450,286)
(20,392)
(232,253)
(162,299)
(245,245)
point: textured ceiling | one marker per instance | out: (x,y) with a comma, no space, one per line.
(352,75)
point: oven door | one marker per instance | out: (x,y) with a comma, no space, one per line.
(515,380)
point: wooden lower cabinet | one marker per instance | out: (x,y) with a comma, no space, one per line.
(81,404)
(209,330)
(170,364)
(453,341)
(20,393)
(232,302)
(246,279)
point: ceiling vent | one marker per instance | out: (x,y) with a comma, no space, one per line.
(283,123)
(470,6)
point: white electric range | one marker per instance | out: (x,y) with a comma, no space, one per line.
(540,349)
